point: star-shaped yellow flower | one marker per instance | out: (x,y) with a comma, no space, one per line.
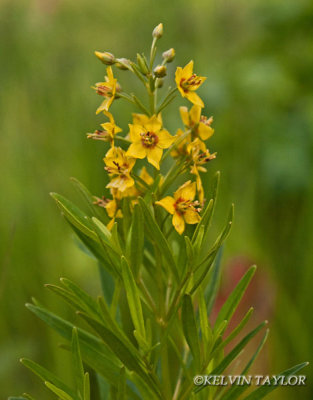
(199,124)
(119,166)
(108,131)
(182,206)
(148,139)
(106,89)
(187,83)
(199,155)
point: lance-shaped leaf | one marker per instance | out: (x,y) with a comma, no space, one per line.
(94,352)
(77,364)
(133,298)
(232,355)
(75,216)
(206,331)
(235,391)
(100,252)
(158,237)
(121,389)
(86,387)
(135,240)
(121,351)
(190,329)
(59,392)
(46,375)
(264,390)
(89,199)
(214,280)
(230,305)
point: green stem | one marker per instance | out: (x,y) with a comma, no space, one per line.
(122,139)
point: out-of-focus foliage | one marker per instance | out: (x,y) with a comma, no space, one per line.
(258,58)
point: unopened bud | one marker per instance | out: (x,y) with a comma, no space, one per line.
(169,55)
(159,83)
(160,71)
(122,63)
(158,31)
(142,64)
(106,58)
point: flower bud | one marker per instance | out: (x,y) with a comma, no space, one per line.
(142,64)
(169,55)
(160,71)
(159,83)
(158,31)
(122,63)
(106,58)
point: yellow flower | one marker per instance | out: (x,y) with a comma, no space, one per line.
(106,89)
(187,83)
(199,124)
(149,139)
(181,148)
(109,130)
(182,206)
(119,166)
(111,207)
(199,155)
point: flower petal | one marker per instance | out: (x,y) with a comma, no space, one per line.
(184,114)
(187,191)
(154,156)
(188,69)
(205,131)
(165,139)
(178,222)
(136,150)
(194,98)
(167,203)
(192,217)
(195,114)
(154,124)
(134,132)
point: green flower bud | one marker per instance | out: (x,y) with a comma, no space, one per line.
(106,58)
(169,55)
(160,71)
(142,64)
(122,63)
(159,83)
(158,31)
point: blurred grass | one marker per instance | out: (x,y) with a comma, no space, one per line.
(258,59)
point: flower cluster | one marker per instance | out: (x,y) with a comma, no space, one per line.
(148,139)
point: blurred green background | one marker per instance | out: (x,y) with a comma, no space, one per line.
(258,57)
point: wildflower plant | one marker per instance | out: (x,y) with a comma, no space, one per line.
(150,331)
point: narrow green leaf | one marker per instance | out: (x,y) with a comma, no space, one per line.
(86,387)
(89,199)
(214,280)
(158,237)
(198,241)
(121,390)
(135,240)
(100,252)
(133,298)
(75,216)
(91,346)
(206,331)
(77,363)
(237,349)
(204,221)
(235,391)
(46,375)
(120,350)
(89,303)
(230,305)
(264,390)
(190,328)
(62,395)
(234,353)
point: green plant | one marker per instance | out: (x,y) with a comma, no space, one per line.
(150,329)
